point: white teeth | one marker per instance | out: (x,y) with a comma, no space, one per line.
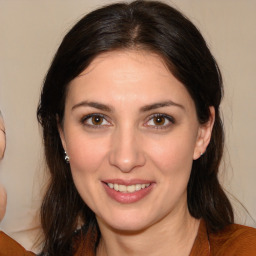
(122,188)
(116,187)
(127,189)
(138,187)
(131,188)
(111,185)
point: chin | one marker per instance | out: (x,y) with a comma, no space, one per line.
(127,221)
(129,227)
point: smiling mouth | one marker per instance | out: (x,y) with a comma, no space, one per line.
(127,189)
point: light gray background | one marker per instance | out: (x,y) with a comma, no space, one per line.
(30,32)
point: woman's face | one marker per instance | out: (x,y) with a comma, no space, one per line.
(131,132)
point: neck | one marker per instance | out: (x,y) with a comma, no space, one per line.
(173,235)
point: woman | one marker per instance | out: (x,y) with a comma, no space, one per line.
(133,140)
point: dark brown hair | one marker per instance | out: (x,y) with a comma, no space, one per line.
(151,26)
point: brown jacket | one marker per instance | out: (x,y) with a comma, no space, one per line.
(234,240)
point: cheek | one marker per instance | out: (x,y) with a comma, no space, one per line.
(86,159)
(173,155)
(86,155)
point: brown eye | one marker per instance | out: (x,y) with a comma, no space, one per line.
(97,120)
(159,120)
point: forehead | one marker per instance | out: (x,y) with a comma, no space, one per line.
(128,76)
(123,64)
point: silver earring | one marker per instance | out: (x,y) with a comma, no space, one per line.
(66,157)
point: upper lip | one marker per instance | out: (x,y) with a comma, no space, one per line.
(127,182)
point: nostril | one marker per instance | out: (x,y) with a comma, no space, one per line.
(126,152)
(126,164)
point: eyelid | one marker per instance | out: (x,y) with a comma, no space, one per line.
(170,119)
(87,117)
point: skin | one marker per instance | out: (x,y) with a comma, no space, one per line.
(129,144)
(3,202)
(3,196)
(2,137)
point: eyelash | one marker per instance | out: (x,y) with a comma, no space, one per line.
(167,118)
(85,119)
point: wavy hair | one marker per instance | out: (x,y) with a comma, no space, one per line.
(155,27)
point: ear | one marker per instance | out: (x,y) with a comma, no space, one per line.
(204,135)
(62,135)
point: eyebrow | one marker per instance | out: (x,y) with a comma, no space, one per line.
(94,105)
(160,105)
(146,108)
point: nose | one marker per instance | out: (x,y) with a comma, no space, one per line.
(126,150)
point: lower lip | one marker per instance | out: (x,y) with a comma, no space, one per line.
(127,198)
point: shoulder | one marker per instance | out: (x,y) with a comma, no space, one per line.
(234,239)
(8,247)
